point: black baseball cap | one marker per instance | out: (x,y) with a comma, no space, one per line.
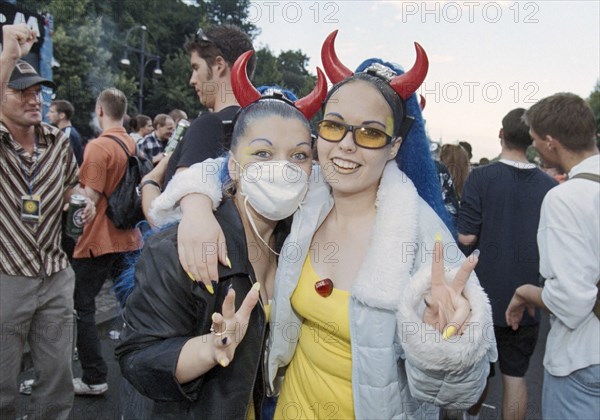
(25,76)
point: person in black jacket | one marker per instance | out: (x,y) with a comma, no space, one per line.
(184,345)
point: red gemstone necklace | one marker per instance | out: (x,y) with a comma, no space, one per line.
(324,287)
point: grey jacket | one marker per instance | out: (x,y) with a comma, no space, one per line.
(416,370)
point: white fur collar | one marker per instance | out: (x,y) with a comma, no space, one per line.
(202,178)
(386,268)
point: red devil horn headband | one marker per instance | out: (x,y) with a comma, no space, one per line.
(405,84)
(246,93)
(334,68)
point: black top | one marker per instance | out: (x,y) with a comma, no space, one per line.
(209,136)
(166,309)
(501,205)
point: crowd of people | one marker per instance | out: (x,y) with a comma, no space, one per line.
(295,269)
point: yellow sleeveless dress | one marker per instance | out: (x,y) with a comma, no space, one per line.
(318,381)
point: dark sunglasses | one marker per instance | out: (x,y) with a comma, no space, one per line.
(363,135)
(201,36)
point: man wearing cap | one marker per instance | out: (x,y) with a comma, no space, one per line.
(39,174)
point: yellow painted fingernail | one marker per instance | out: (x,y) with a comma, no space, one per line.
(449,332)
(224,362)
(228,262)
(190,275)
(438,237)
(256,286)
(210,289)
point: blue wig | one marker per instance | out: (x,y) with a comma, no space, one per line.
(414,157)
(286,92)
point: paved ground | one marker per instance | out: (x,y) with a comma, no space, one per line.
(107,407)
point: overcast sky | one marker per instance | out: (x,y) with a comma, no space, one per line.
(486,58)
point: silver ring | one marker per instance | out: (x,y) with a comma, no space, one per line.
(218,334)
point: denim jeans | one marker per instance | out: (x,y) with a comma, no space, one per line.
(90,274)
(575,396)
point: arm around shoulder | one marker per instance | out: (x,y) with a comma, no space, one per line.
(201,178)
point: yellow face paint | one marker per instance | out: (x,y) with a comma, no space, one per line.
(389,125)
(243,153)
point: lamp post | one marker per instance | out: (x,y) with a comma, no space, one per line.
(145,59)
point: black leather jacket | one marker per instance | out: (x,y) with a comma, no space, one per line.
(166,309)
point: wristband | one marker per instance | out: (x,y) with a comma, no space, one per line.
(151,182)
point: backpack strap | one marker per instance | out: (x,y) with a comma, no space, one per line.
(587,175)
(123,146)
(118,140)
(596,178)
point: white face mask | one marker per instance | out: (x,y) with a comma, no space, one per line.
(274,188)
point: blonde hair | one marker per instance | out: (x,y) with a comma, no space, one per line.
(114,103)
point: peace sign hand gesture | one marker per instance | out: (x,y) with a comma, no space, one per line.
(229,328)
(446,307)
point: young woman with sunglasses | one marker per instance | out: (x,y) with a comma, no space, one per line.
(184,345)
(367,321)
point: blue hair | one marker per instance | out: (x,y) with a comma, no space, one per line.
(286,92)
(414,157)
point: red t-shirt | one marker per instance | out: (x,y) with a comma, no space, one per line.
(104,164)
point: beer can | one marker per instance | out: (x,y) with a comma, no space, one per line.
(177,136)
(74,227)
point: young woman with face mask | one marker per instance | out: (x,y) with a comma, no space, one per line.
(184,345)
(377,314)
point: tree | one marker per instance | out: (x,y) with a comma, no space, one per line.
(172,90)
(295,76)
(229,11)
(89,43)
(82,48)
(267,71)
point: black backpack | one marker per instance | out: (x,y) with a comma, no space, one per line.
(125,204)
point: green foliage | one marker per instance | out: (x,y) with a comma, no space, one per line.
(292,66)
(287,70)
(172,89)
(533,156)
(89,43)
(267,71)
(229,11)
(84,67)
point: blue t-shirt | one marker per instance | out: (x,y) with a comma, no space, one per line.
(76,142)
(501,206)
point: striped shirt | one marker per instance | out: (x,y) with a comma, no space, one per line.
(32,249)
